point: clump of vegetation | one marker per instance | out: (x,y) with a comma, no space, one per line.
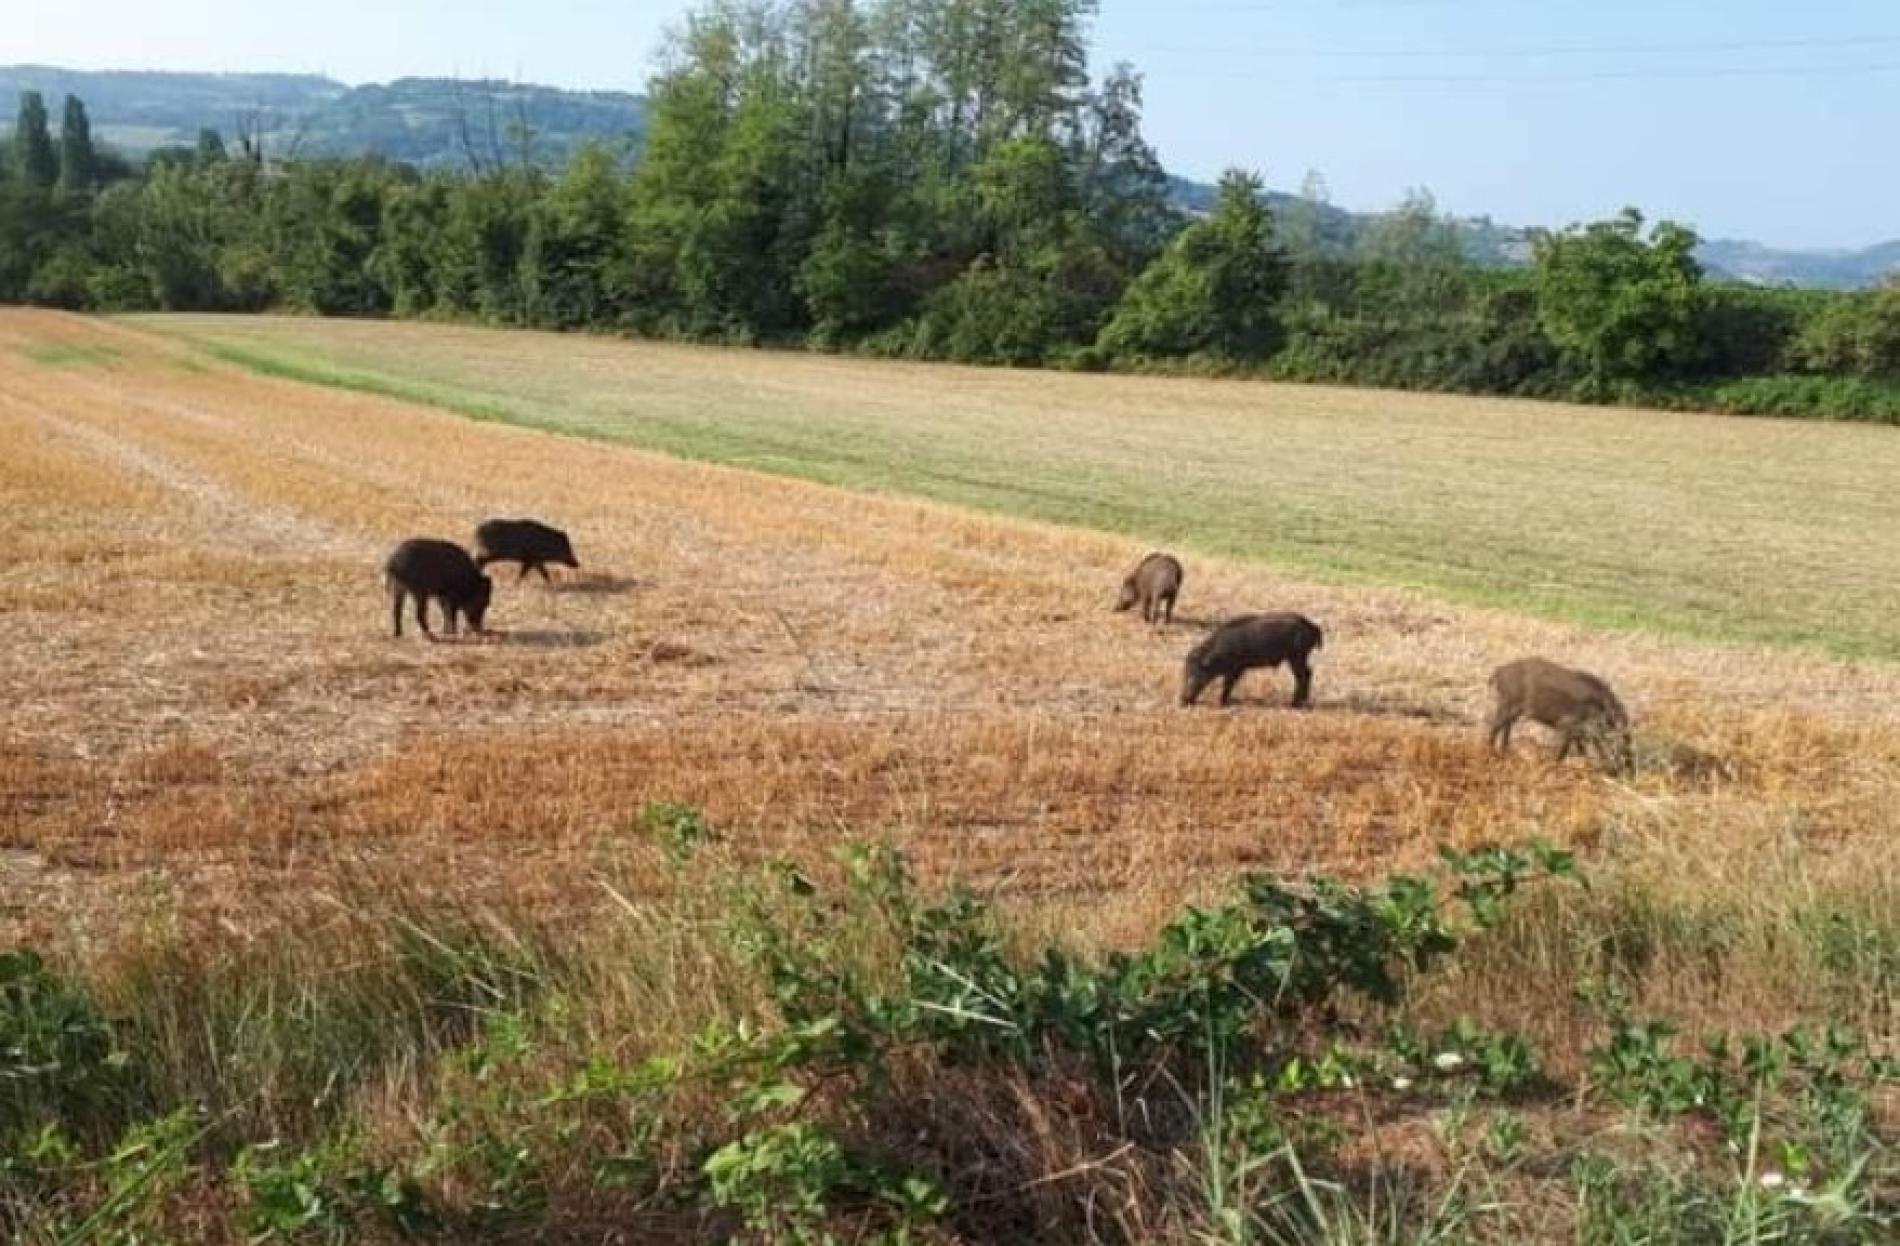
(848,1057)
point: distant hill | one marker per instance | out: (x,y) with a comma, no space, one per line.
(431,122)
(1829,270)
(449,123)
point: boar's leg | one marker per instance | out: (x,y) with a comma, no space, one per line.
(522,573)
(1167,609)
(1302,680)
(1147,609)
(449,611)
(422,614)
(543,569)
(397,600)
(1501,724)
(1227,683)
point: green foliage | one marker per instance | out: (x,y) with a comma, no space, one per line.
(1504,1065)
(1213,291)
(123,1197)
(325,1193)
(1621,1204)
(1799,397)
(571,263)
(1223,1060)
(682,830)
(1215,979)
(59,1059)
(78,163)
(35,162)
(779,1179)
(1855,334)
(1823,1119)
(1623,306)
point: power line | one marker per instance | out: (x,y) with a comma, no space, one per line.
(1328,6)
(1532,50)
(1609,75)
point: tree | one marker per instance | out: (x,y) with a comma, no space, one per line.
(1304,233)
(1213,291)
(714,191)
(78,163)
(1619,306)
(1414,234)
(572,265)
(210,149)
(1124,188)
(34,160)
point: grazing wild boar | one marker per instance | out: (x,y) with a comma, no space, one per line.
(423,567)
(523,541)
(1239,645)
(1155,583)
(1575,704)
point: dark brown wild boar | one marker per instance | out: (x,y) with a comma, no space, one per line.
(525,541)
(1239,645)
(1575,704)
(422,568)
(1155,583)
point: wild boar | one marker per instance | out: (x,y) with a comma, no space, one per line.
(1576,704)
(1155,583)
(422,568)
(1240,644)
(524,541)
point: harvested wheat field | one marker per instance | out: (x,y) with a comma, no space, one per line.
(202,674)
(292,856)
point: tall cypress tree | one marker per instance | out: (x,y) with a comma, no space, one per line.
(34,160)
(78,165)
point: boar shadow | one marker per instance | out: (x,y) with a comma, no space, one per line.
(1381,705)
(1199,622)
(547,638)
(598,584)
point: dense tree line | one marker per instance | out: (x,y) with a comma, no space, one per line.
(931,178)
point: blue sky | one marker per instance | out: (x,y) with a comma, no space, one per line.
(1747,118)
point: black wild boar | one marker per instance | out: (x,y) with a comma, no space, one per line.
(1576,704)
(523,541)
(1155,583)
(1239,645)
(423,567)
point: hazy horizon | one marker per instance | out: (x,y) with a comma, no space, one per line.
(1739,117)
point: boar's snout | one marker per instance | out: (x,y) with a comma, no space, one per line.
(477,608)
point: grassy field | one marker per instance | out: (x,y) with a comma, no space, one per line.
(1704,526)
(548,937)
